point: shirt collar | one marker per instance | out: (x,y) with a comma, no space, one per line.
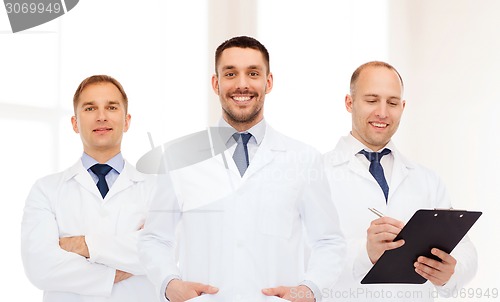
(258,131)
(117,162)
(356,146)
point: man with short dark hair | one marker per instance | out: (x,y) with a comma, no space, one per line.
(247,244)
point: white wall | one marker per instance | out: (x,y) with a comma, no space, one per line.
(449,55)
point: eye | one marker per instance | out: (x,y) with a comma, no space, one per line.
(393,103)
(254,74)
(89,109)
(112,108)
(229,74)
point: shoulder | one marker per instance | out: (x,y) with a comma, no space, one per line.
(137,176)
(418,169)
(291,144)
(50,183)
(339,155)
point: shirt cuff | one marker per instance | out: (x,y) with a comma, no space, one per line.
(314,288)
(163,288)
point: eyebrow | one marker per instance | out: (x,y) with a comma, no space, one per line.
(229,67)
(114,103)
(92,103)
(377,96)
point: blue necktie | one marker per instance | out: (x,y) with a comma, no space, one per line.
(240,155)
(101,170)
(376,168)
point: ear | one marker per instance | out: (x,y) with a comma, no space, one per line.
(215,84)
(404,104)
(269,85)
(75,124)
(348,103)
(128,118)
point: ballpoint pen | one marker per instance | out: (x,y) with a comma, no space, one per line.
(376,212)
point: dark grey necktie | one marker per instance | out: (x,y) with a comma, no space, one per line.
(240,155)
(376,168)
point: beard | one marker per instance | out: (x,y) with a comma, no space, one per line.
(242,117)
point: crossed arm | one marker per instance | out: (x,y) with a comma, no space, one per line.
(77,245)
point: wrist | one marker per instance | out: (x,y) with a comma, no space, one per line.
(171,283)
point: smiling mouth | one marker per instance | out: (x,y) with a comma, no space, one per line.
(98,130)
(379,125)
(242,99)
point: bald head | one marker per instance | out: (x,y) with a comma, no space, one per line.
(357,72)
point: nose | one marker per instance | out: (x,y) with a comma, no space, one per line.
(382,110)
(101,115)
(242,82)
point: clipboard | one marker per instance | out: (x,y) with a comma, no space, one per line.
(426,229)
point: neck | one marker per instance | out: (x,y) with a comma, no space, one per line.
(102,156)
(242,126)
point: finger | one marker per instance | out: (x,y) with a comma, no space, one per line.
(435,271)
(383,246)
(445,257)
(394,244)
(434,279)
(383,228)
(275,291)
(382,237)
(388,220)
(204,288)
(430,263)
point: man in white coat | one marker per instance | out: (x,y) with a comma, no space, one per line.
(376,104)
(80,226)
(242,223)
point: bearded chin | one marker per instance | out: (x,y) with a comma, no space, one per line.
(242,117)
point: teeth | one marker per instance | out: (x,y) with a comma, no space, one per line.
(241,98)
(379,125)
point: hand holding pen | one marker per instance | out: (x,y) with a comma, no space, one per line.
(380,235)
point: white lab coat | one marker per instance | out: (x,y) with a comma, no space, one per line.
(244,234)
(69,204)
(411,187)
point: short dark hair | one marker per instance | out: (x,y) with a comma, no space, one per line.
(95,79)
(242,42)
(357,72)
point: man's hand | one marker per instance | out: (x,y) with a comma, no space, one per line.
(121,275)
(437,272)
(180,291)
(380,236)
(75,244)
(299,293)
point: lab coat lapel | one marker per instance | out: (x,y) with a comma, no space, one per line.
(400,171)
(127,178)
(271,145)
(82,176)
(343,153)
